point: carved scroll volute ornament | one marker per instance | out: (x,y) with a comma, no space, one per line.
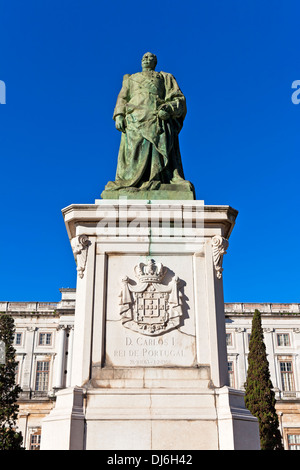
(150,307)
(80,246)
(219,247)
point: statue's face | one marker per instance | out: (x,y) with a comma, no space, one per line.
(148,61)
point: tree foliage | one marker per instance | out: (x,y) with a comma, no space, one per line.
(259,394)
(9,391)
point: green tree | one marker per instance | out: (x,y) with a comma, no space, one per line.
(9,391)
(259,394)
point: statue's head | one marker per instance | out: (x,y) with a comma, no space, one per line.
(149,61)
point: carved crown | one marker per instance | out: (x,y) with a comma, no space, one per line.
(150,272)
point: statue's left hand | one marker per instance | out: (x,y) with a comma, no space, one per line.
(163,114)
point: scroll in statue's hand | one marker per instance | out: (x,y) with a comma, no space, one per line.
(120,123)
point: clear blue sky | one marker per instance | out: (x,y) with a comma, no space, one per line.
(62,62)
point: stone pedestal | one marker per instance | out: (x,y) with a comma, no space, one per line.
(149,355)
(183,191)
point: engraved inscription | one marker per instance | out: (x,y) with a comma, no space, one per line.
(149,352)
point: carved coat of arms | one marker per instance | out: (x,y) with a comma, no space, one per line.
(150,307)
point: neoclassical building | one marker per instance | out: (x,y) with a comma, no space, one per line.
(281,326)
(43,343)
(44,338)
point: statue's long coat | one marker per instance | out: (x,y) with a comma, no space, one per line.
(149,150)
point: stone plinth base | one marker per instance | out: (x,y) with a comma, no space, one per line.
(63,429)
(176,418)
(183,191)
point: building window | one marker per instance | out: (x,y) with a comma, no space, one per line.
(283,339)
(42,376)
(293,441)
(287,378)
(45,339)
(231,374)
(17,373)
(18,339)
(229,341)
(35,441)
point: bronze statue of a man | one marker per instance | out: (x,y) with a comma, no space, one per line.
(149,112)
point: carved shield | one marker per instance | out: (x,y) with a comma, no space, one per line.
(150,307)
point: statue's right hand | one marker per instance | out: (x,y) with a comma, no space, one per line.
(120,123)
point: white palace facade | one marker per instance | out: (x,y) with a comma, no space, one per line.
(44,338)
